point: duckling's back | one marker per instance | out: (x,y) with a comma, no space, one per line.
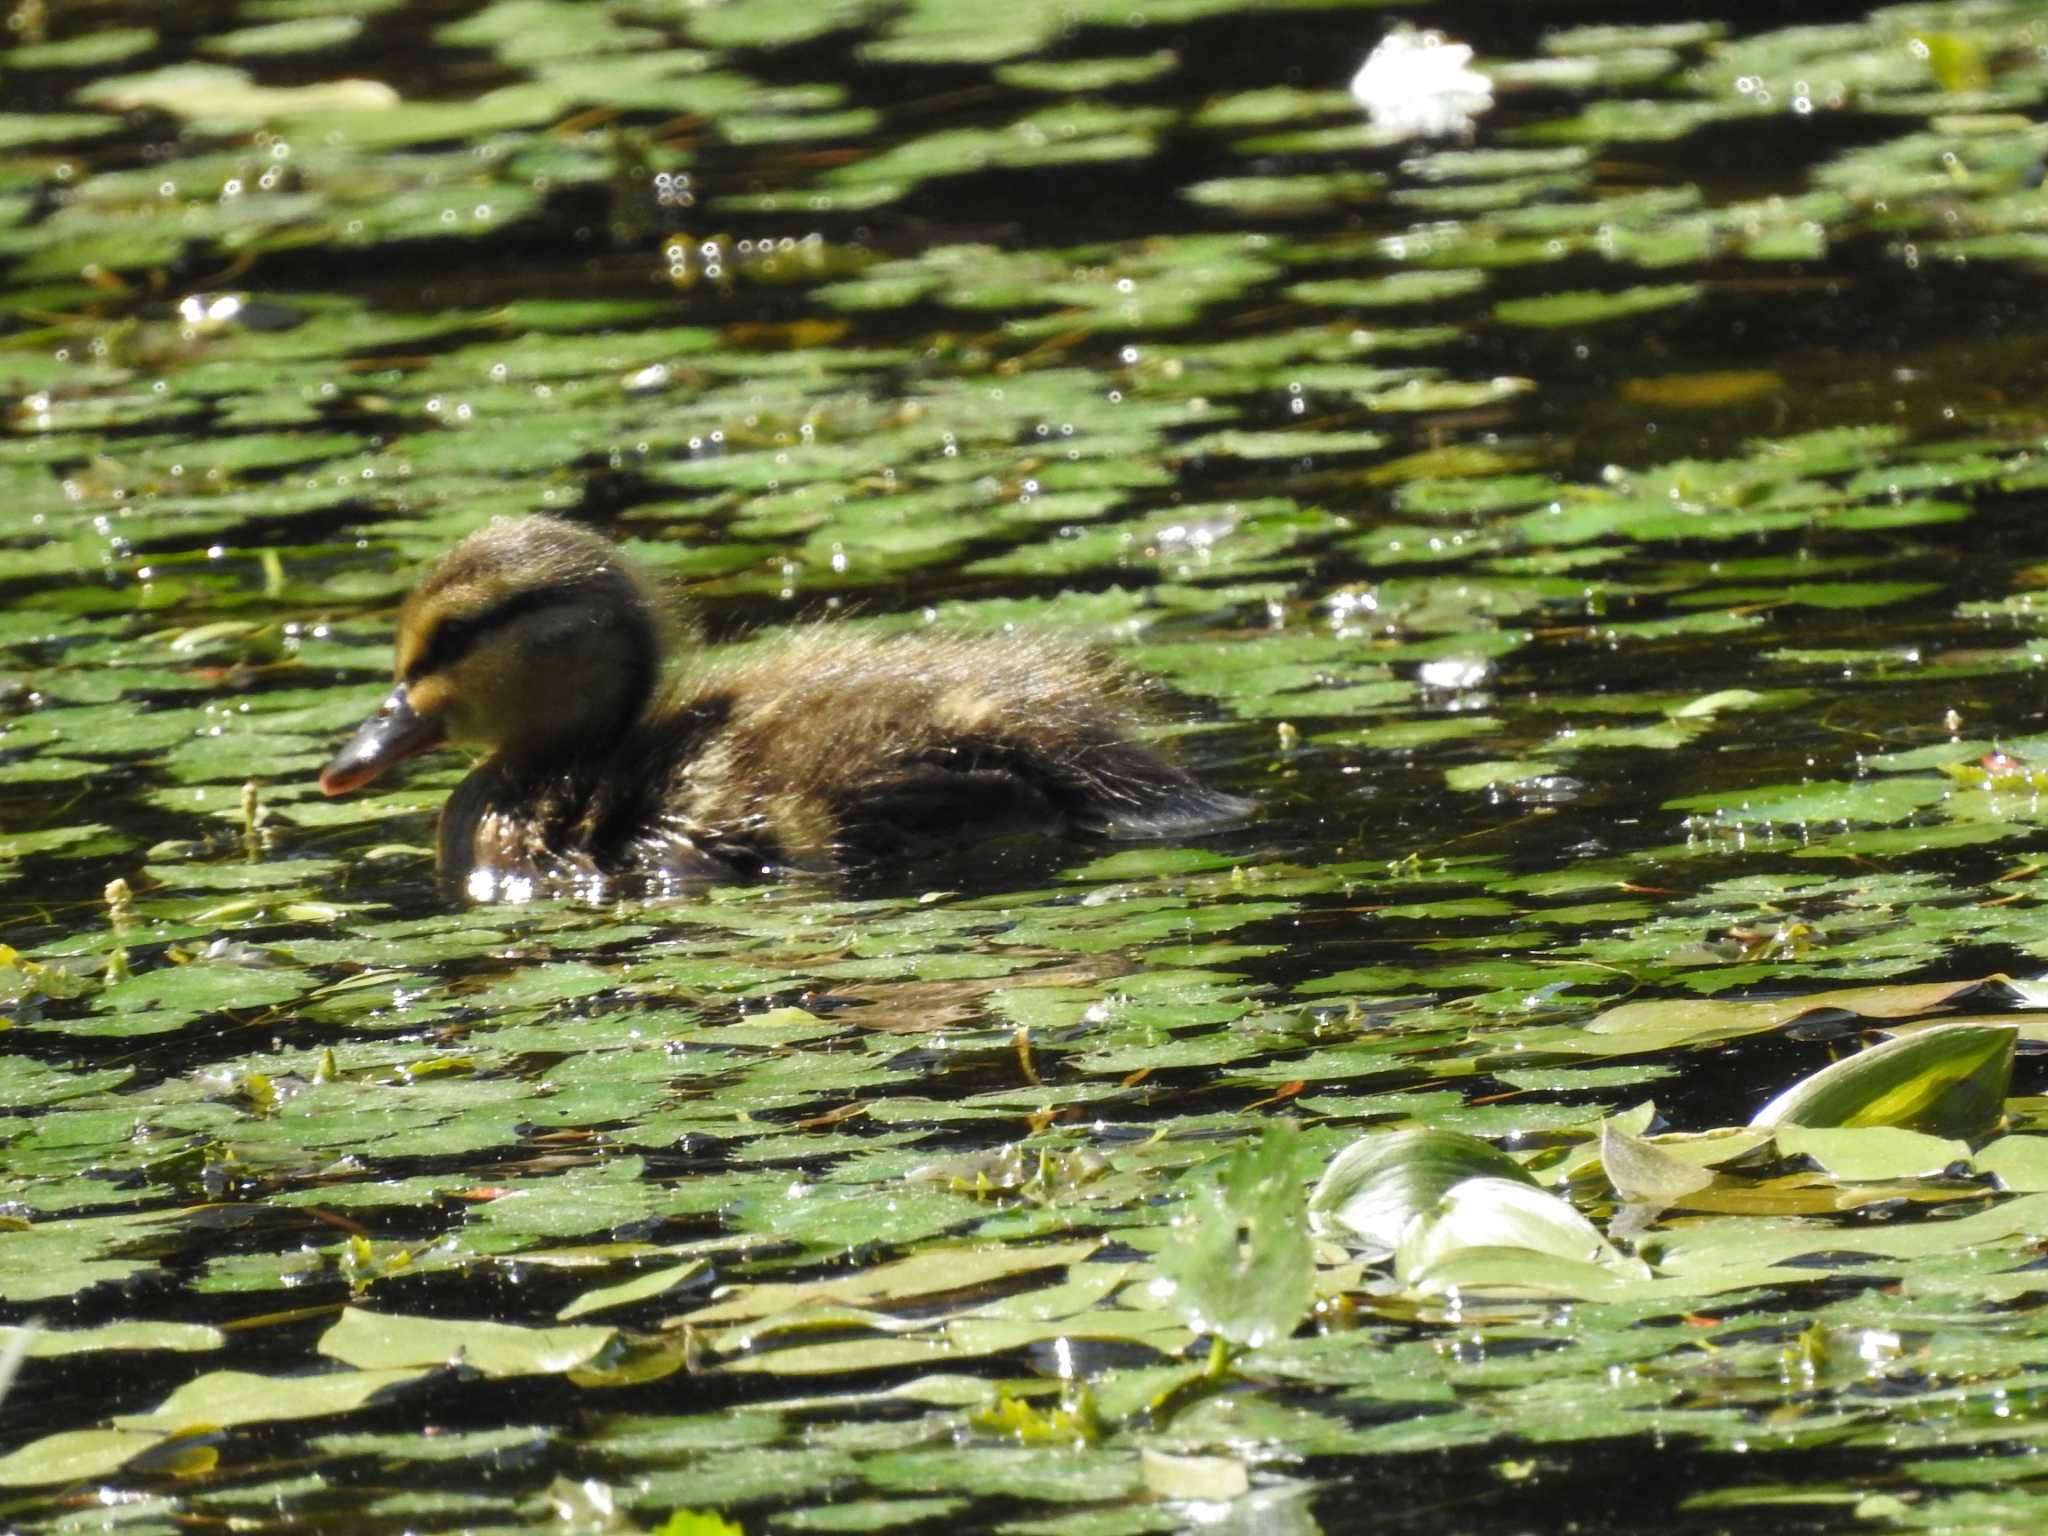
(831,748)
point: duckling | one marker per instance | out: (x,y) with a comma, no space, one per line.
(828,749)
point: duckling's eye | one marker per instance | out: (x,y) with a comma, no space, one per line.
(453,638)
(445,646)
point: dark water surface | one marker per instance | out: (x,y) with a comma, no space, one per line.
(1604,545)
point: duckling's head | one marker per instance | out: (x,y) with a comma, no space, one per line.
(532,637)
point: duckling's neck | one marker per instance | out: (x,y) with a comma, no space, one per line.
(592,739)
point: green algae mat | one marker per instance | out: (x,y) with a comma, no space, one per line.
(1591,505)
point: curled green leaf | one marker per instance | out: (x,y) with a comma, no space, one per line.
(1947,1080)
(1377,1185)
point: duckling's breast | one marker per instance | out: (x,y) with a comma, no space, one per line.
(618,816)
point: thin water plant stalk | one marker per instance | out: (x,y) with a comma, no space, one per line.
(120,915)
(1216,1373)
(252,820)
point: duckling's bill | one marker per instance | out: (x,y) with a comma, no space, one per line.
(395,732)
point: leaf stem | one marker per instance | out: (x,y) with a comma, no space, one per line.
(1216,1373)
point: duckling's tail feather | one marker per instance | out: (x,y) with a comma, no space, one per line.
(1192,807)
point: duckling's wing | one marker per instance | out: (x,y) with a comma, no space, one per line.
(837,747)
(993,788)
(926,805)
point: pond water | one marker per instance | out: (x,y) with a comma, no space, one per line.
(1601,539)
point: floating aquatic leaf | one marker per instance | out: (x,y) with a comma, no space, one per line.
(376,1341)
(1209,1478)
(1870,1152)
(697,1522)
(1071,75)
(1393,289)
(934,1272)
(1947,1080)
(1478,1216)
(640,1288)
(1642,1171)
(1379,1183)
(299,35)
(74,1455)
(1277,196)
(1238,1259)
(225,1399)
(18,129)
(218,95)
(48,1343)
(2017,1162)
(1685,1020)
(1592,307)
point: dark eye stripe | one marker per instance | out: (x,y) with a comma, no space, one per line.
(455,638)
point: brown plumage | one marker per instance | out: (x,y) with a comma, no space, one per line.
(825,749)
